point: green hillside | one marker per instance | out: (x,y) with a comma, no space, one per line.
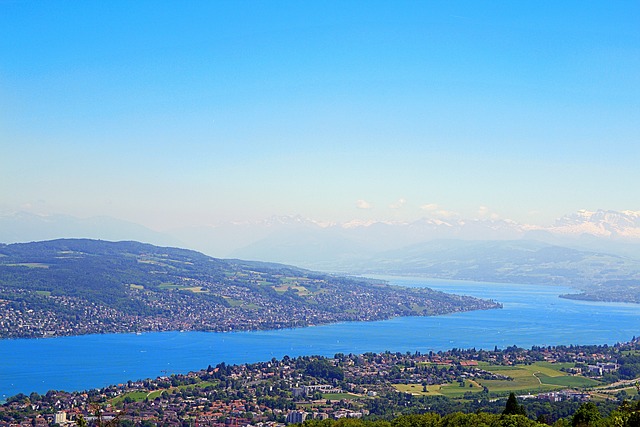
(76,286)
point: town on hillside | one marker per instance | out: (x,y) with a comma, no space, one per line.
(551,383)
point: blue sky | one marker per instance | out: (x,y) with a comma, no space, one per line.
(185,113)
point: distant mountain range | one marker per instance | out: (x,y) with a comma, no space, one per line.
(303,241)
(313,244)
(623,225)
(586,249)
(505,261)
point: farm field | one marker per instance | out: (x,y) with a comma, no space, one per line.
(535,378)
(452,390)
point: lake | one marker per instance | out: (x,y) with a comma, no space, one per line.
(532,315)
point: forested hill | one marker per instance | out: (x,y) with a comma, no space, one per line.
(78,286)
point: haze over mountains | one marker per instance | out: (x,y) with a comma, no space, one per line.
(597,252)
(310,243)
(19,227)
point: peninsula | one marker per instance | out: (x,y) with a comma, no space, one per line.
(81,286)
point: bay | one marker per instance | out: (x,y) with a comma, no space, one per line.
(532,315)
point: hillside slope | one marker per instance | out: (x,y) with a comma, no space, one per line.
(77,286)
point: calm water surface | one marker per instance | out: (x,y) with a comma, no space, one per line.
(532,315)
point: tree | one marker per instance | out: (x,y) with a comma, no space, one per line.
(513,407)
(415,420)
(586,415)
(99,421)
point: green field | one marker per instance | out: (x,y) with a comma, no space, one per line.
(568,381)
(156,393)
(169,285)
(544,368)
(137,396)
(239,303)
(301,290)
(339,396)
(142,395)
(194,289)
(537,377)
(556,366)
(450,390)
(233,302)
(415,389)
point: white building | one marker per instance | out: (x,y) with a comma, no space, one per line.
(60,418)
(296,417)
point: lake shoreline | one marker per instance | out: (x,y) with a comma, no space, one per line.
(531,315)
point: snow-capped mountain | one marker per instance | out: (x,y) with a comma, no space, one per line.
(581,249)
(601,223)
(307,242)
(319,245)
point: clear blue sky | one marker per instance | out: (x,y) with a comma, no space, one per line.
(185,113)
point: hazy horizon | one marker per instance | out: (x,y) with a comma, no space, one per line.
(171,115)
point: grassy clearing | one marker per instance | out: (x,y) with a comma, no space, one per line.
(545,370)
(568,381)
(233,302)
(415,389)
(301,290)
(522,379)
(154,262)
(613,389)
(44,293)
(137,396)
(194,289)
(29,265)
(204,384)
(418,308)
(134,286)
(339,396)
(155,394)
(452,390)
(455,390)
(556,366)
(239,303)
(539,376)
(294,280)
(169,285)
(141,395)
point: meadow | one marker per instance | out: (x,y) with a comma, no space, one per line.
(538,377)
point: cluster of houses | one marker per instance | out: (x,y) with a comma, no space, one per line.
(601,368)
(309,390)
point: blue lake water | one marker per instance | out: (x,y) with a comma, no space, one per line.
(532,315)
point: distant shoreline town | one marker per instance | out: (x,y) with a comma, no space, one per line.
(80,286)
